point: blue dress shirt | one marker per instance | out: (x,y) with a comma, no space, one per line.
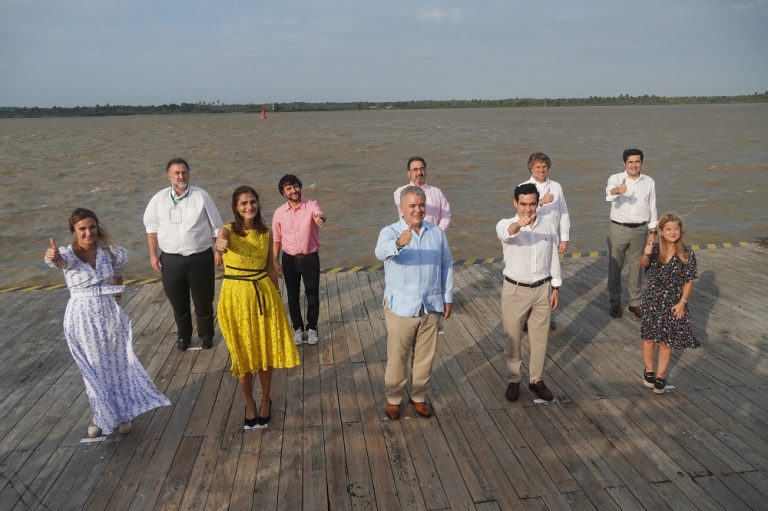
(419,274)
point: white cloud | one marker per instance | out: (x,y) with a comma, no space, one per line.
(438,15)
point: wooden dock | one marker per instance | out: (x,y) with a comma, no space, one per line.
(606,443)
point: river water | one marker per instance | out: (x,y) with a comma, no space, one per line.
(709,162)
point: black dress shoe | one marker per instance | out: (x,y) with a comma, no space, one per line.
(183,344)
(541,391)
(207,343)
(616,311)
(263,421)
(513,391)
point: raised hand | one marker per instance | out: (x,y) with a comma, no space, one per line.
(405,237)
(546,198)
(623,186)
(649,245)
(319,219)
(52,253)
(523,220)
(222,241)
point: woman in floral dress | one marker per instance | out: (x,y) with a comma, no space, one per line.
(250,311)
(97,329)
(670,271)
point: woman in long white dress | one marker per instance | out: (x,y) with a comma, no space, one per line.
(97,329)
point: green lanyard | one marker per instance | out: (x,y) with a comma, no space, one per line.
(183,196)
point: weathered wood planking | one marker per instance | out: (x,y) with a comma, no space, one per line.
(607,443)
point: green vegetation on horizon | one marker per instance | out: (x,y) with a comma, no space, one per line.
(203,107)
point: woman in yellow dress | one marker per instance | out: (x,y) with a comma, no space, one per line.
(251,313)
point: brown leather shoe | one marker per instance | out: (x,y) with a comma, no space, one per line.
(634,309)
(616,311)
(541,391)
(423,408)
(392,411)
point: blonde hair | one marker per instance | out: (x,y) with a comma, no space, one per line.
(664,246)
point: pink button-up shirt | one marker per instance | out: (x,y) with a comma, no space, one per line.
(295,229)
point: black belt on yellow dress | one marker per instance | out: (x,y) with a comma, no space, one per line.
(255,276)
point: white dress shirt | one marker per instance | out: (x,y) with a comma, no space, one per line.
(557,210)
(531,254)
(185,226)
(637,204)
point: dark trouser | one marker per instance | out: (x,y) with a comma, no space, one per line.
(294,270)
(185,275)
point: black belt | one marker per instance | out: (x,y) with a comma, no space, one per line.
(629,224)
(300,256)
(535,284)
(254,277)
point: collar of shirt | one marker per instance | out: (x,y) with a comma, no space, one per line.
(302,205)
(178,198)
(424,226)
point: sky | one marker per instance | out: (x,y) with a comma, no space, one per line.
(141,52)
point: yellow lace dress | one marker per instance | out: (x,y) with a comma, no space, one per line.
(251,313)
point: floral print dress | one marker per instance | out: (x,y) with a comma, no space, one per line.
(663,289)
(99,336)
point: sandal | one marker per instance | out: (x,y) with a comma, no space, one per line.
(658,386)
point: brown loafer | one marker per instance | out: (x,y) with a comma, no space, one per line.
(541,391)
(392,411)
(634,309)
(423,408)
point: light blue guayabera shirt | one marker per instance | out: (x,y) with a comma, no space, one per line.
(421,273)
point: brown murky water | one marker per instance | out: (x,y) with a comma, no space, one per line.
(709,163)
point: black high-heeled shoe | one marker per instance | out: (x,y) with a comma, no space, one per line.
(251,423)
(263,421)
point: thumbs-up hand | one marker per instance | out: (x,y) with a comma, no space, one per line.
(623,186)
(546,198)
(52,253)
(405,237)
(222,241)
(319,219)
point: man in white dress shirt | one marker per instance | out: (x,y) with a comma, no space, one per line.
(632,195)
(531,288)
(552,204)
(181,223)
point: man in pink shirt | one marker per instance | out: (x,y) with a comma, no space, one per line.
(438,210)
(295,230)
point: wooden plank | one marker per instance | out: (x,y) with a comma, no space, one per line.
(178,474)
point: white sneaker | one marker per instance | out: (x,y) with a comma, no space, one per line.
(94,431)
(312,336)
(298,337)
(125,428)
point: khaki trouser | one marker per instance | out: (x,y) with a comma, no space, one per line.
(516,303)
(625,243)
(405,336)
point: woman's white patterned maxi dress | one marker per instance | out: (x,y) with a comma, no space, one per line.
(99,336)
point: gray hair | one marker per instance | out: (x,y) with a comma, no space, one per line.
(412,190)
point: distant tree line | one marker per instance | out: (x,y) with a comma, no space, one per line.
(203,107)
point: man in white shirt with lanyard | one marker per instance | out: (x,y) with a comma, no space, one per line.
(633,212)
(531,288)
(181,223)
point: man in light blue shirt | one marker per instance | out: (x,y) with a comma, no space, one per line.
(418,272)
